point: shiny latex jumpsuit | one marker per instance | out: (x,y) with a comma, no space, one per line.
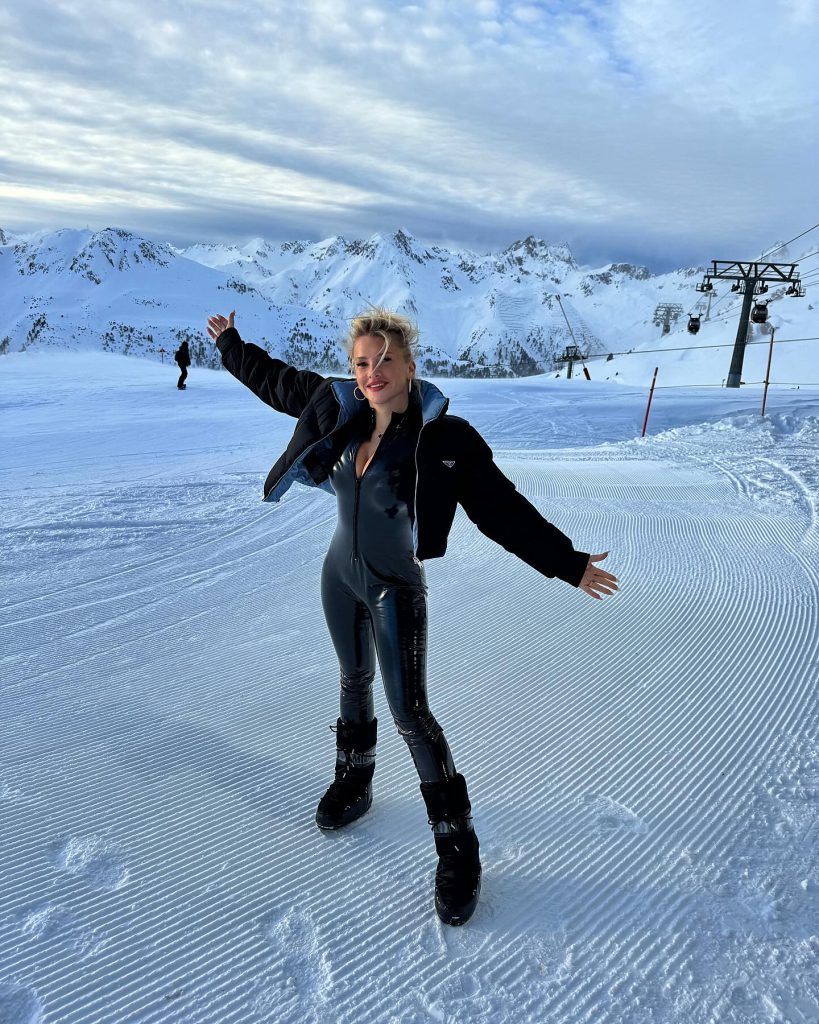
(373,590)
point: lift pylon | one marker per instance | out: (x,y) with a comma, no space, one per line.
(752,278)
(667,313)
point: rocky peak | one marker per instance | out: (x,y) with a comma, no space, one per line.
(120,249)
(537,249)
(407,244)
(636,273)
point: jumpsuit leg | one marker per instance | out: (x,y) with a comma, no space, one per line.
(350,627)
(399,618)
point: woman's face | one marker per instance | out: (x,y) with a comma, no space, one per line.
(389,384)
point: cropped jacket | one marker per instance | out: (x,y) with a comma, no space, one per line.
(454,464)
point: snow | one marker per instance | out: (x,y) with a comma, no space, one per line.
(644,770)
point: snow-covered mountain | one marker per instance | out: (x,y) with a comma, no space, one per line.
(508,313)
(117,291)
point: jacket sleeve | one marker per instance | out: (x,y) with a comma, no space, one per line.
(282,387)
(503,514)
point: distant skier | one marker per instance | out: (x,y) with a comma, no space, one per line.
(183,361)
(399,465)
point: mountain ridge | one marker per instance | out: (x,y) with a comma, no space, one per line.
(510,312)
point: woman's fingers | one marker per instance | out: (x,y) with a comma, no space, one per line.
(217,324)
(597,582)
(595,569)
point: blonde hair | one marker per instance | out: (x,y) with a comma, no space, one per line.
(390,326)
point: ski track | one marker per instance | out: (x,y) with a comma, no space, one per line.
(649,837)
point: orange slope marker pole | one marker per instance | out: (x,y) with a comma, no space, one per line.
(650,396)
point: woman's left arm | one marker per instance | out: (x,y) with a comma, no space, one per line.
(503,514)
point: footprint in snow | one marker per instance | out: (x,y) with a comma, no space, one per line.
(475,991)
(92,859)
(546,956)
(606,815)
(301,973)
(50,922)
(10,794)
(19,1005)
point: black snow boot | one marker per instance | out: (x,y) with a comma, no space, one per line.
(458,877)
(351,793)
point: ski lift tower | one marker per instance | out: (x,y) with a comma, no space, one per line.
(667,313)
(750,278)
(571,355)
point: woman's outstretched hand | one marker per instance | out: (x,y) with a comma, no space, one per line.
(597,582)
(217,324)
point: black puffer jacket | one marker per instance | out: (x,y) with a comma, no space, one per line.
(454,463)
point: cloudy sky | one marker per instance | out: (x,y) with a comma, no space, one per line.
(645,130)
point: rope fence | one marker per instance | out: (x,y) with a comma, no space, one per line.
(749,383)
(767,382)
(745,384)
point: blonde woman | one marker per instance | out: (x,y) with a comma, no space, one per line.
(384,444)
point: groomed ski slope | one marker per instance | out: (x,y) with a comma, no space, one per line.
(644,769)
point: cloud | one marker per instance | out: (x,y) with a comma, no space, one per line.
(604,121)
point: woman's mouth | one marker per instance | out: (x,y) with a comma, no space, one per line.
(376,387)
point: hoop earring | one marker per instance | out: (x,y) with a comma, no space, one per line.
(355,396)
(409,389)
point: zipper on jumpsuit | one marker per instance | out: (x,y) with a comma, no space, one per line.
(358,480)
(355,507)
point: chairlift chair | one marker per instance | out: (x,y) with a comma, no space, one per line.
(693,324)
(759,314)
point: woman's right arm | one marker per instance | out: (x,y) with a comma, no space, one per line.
(281,386)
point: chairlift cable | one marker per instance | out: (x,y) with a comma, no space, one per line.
(809,256)
(695,348)
(783,244)
(764,255)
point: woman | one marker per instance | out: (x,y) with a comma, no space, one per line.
(399,465)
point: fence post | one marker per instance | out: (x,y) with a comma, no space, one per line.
(650,396)
(768,371)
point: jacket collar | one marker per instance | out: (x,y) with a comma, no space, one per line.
(433,402)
